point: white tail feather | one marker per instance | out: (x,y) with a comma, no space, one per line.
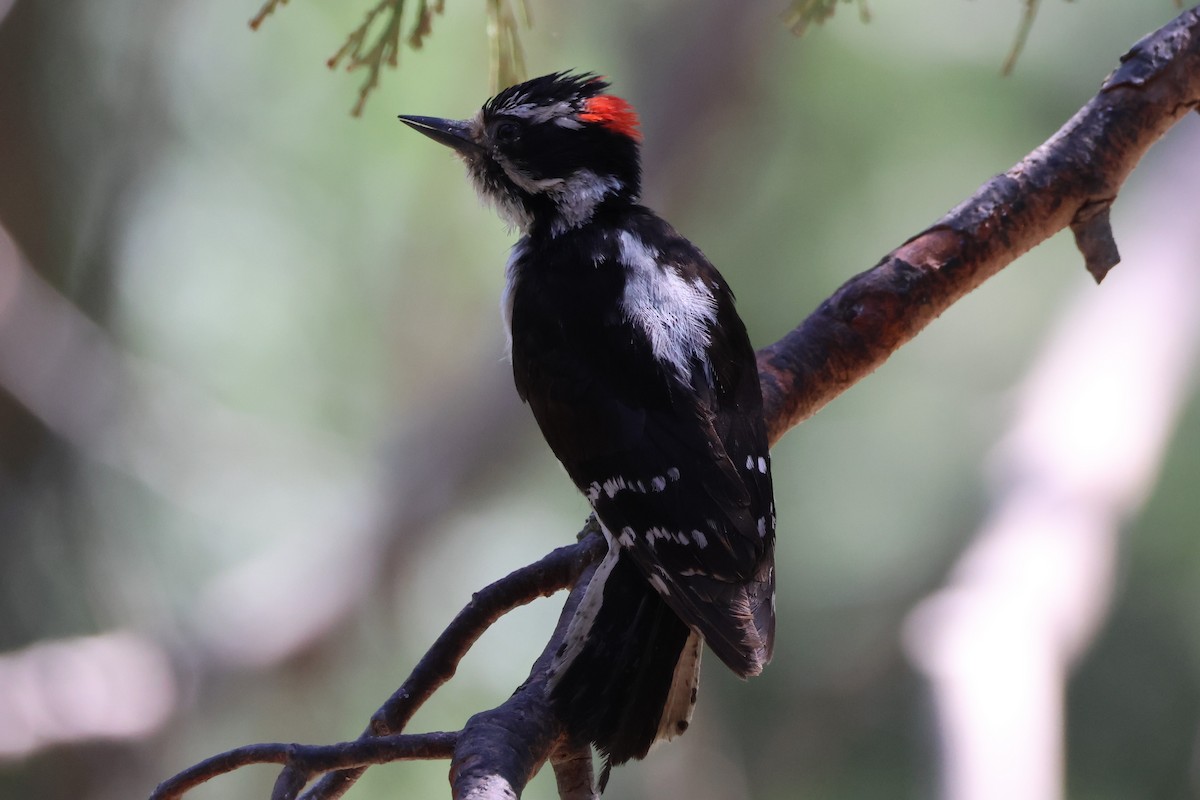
(681,699)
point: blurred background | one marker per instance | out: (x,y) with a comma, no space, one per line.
(258,443)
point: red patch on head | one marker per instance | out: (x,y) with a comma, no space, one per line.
(613,113)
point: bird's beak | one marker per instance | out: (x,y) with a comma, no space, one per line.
(450,132)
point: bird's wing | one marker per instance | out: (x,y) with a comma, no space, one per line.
(677,472)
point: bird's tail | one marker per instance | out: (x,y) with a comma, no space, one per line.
(627,673)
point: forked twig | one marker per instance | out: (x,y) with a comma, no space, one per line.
(554,572)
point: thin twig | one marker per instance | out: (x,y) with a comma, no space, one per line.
(1027,18)
(556,571)
(267,9)
(552,573)
(311,758)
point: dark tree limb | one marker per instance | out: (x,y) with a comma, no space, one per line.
(573,771)
(1063,183)
(1070,181)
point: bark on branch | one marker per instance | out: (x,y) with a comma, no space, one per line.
(1069,181)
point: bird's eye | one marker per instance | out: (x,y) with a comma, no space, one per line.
(505,132)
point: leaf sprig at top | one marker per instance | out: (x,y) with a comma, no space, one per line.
(375,43)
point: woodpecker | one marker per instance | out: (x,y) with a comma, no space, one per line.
(627,348)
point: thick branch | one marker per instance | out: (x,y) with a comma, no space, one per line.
(573,771)
(1060,184)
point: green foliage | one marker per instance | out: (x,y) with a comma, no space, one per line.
(802,13)
(1031,8)
(376,42)
(366,47)
(507,57)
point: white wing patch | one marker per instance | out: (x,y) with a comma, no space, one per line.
(676,314)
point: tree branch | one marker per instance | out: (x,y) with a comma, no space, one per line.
(342,764)
(1057,185)
(556,571)
(310,758)
(573,772)
(501,749)
(1029,594)
(1070,181)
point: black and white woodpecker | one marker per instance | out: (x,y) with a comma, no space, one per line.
(626,346)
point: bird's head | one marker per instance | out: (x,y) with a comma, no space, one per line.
(548,152)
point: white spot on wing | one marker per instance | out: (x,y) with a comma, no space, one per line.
(749,462)
(614,485)
(654,534)
(700,539)
(762,465)
(618,483)
(674,313)
(659,585)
